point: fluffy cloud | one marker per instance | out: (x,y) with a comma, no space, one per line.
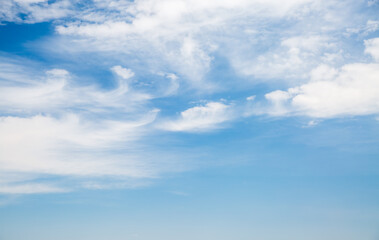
(372,48)
(123,72)
(351,90)
(200,118)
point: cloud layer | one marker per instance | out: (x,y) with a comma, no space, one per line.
(350,90)
(317,59)
(53,127)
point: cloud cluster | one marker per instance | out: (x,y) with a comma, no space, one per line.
(51,126)
(184,36)
(350,90)
(54,126)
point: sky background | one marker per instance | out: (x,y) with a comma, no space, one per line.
(218,119)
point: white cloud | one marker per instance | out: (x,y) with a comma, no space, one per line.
(73,146)
(369,27)
(53,124)
(123,72)
(174,36)
(372,47)
(29,1)
(53,127)
(312,123)
(372,26)
(12,72)
(183,36)
(69,145)
(278,99)
(200,118)
(251,98)
(351,90)
(290,59)
(56,91)
(30,188)
(34,10)
(173,86)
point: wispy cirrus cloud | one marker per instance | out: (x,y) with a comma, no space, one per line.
(32,11)
(181,36)
(55,91)
(53,127)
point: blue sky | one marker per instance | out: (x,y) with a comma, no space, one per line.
(147,119)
